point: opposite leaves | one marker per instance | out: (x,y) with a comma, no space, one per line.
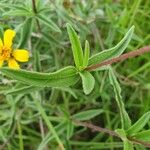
(139,124)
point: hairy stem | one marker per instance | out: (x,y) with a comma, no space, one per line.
(110,132)
(132,54)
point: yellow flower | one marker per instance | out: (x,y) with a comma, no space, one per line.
(10,55)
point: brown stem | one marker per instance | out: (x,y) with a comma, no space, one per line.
(146,144)
(138,52)
(34,6)
(35,11)
(96,128)
(112,133)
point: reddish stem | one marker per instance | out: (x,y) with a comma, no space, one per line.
(138,52)
(110,132)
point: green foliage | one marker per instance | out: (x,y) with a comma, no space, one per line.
(125,120)
(25,32)
(137,126)
(86,54)
(128,145)
(49,23)
(143,135)
(113,52)
(63,77)
(21,90)
(88,81)
(86,115)
(76,47)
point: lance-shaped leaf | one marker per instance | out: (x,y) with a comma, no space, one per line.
(86,115)
(76,46)
(64,77)
(144,136)
(113,52)
(22,90)
(48,22)
(86,54)
(88,81)
(125,120)
(139,124)
(25,32)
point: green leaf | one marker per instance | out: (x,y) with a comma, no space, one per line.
(125,120)
(86,115)
(113,52)
(37,63)
(127,145)
(121,133)
(76,47)
(69,90)
(22,90)
(110,14)
(86,54)
(49,23)
(50,38)
(88,81)
(17,13)
(139,124)
(16,10)
(64,77)
(144,136)
(70,129)
(25,32)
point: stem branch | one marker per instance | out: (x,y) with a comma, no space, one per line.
(132,54)
(110,132)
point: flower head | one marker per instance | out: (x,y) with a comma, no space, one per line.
(10,55)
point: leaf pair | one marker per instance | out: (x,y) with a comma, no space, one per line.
(80,59)
(133,131)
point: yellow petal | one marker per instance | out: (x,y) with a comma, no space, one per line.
(1,43)
(8,37)
(21,55)
(13,64)
(1,62)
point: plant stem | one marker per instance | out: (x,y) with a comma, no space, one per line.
(35,11)
(132,54)
(110,132)
(96,128)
